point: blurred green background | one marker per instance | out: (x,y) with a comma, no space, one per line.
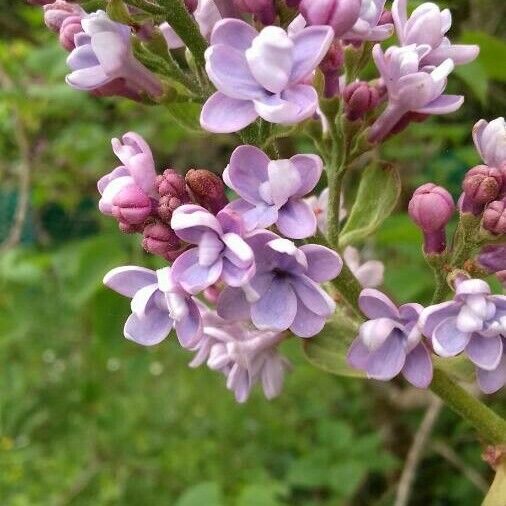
(88,418)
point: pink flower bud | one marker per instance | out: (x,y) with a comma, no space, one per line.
(131,205)
(207,189)
(191,5)
(431,208)
(167,205)
(483,184)
(359,98)
(130,229)
(55,13)
(70,27)
(331,66)
(264,9)
(494,217)
(172,184)
(160,239)
(341,15)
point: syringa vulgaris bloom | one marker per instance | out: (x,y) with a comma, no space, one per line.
(428,25)
(103,60)
(285,292)
(272,191)
(490,141)
(411,87)
(261,74)
(158,305)
(368,27)
(390,342)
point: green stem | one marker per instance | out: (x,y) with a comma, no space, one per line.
(335,179)
(488,424)
(147,6)
(349,288)
(183,24)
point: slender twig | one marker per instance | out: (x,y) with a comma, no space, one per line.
(21,137)
(415,454)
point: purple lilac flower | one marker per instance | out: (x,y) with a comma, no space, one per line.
(135,178)
(103,55)
(272,191)
(411,87)
(261,74)
(368,27)
(285,292)
(158,305)
(369,273)
(206,15)
(428,25)
(390,343)
(493,258)
(473,323)
(244,355)
(490,141)
(221,252)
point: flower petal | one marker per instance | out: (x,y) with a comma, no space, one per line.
(432,316)
(234,33)
(189,328)
(485,352)
(310,169)
(358,355)
(232,305)
(324,264)
(315,298)
(306,323)
(191,222)
(387,361)
(284,181)
(296,220)
(129,280)
(152,329)
(375,304)
(444,104)
(374,333)
(418,368)
(447,340)
(492,381)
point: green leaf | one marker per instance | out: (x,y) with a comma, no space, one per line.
(186,115)
(206,493)
(492,51)
(475,77)
(377,197)
(328,350)
(262,494)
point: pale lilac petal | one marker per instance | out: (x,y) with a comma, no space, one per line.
(418,367)
(387,361)
(444,104)
(276,309)
(478,130)
(234,33)
(447,340)
(310,169)
(358,354)
(370,274)
(189,328)
(210,248)
(306,323)
(129,280)
(485,352)
(150,330)
(238,251)
(315,298)
(468,320)
(87,78)
(191,222)
(239,381)
(254,216)
(111,51)
(492,381)
(374,333)
(82,57)
(432,316)
(375,304)
(272,376)
(284,181)
(232,304)
(296,220)
(324,264)
(144,300)
(311,45)
(235,276)
(222,114)
(228,70)
(246,172)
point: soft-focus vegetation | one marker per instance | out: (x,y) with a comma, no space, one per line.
(88,418)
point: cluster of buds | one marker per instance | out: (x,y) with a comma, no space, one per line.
(359,99)
(64,18)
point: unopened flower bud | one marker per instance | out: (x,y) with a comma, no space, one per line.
(172,184)
(159,239)
(494,217)
(264,9)
(167,205)
(483,184)
(359,98)
(207,189)
(131,205)
(70,27)
(341,15)
(431,208)
(386,18)
(330,66)
(126,228)
(55,13)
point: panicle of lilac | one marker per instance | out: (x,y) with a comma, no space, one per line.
(272,191)
(104,55)
(245,356)
(360,98)
(206,15)
(158,305)
(262,74)
(411,86)
(159,239)
(341,15)
(372,24)
(490,141)
(428,25)
(265,10)
(482,184)
(494,217)
(390,342)
(220,252)
(285,291)
(431,208)
(207,189)
(56,13)
(369,273)
(474,323)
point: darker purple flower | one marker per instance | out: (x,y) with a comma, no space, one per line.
(482,185)
(221,252)
(493,258)
(473,323)
(390,343)
(261,74)
(359,98)
(411,86)
(428,25)
(103,55)
(158,305)
(272,191)
(285,292)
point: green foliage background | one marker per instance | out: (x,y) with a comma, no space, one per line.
(87,418)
